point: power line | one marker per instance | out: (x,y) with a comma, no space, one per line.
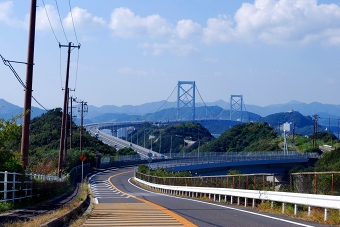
(50,22)
(61,79)
(75,83)
(60,20)
(204,102)
(8,63)
(74,29)
(75,34)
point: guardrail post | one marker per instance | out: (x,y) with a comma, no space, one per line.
(283,208)
(253,203)
(332,183)
(231,200)
(245,201)
(309,211)
(295,209)
(5,186)
(238,201)
(315,183)
(13,187)
(263,182)
(326,214)
(272,204)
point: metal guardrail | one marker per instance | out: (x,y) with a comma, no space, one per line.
(225,156)
(17,186)
(256,181)
(323,201)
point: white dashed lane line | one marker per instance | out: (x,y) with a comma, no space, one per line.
(102,189)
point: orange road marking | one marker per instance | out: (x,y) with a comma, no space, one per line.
(165,210)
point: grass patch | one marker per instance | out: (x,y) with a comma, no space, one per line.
(36,200)
(317,214)
(41,219)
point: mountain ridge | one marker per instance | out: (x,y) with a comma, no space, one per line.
(8,110)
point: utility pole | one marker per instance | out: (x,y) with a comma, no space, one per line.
(28,90)
(64,116)
(71,117)
(315,128)
(71,121)
(338,129)
(83,110)
(293,132)
(65,132)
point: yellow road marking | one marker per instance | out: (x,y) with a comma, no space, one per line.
(169,212)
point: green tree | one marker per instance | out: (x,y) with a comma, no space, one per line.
(126,151)
(10,134)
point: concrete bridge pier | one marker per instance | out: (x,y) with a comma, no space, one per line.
(114,132)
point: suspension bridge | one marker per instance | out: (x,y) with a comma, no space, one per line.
(185,111)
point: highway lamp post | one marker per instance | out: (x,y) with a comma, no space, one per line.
(183,143)
(170,145)
(144,138)
(151,141)
(199,143)
(160,142)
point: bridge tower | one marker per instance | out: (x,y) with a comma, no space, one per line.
(236,105)
(186,96)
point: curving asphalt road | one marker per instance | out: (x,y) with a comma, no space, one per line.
(198,212)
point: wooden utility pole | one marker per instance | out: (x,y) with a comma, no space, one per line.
(65,132)
(28,90)
(64,116)
(84,109)
(316,117)
(71,117)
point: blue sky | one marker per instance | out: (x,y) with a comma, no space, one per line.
(133,52)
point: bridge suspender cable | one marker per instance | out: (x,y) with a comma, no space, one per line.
(162,104)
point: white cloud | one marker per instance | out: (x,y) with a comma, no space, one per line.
(211,60)
(331,81)
(5,10)
(6,15)
(83,20)
(187,28)
(218,74)
(277,22)
(125,70)
(125,23)
(42,22)
(130,71)
(172,46)
(219,30)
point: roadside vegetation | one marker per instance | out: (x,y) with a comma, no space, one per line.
(42,219)
(44,154)
(44,145)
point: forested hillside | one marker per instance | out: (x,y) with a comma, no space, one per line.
(174,137)
(45,143)
(246,137)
